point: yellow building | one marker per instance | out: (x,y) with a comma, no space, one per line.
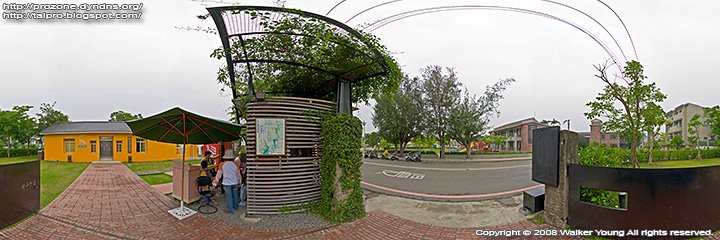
(100,140)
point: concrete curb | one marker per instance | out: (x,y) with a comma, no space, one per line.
(443,198)
(437,160)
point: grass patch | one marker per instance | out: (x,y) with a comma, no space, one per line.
(682,163)
(146,166)
(154,179)
(12,160)
(537,219)
(55,177)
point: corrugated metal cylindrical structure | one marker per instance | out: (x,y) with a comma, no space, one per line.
(291,176)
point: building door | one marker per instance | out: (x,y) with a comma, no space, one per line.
(106,148)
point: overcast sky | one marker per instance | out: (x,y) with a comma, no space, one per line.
(147,66)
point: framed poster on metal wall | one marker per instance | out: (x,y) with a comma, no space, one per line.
(270,137)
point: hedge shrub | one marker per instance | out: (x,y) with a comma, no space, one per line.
(595,151)
(19,152)
(600,155)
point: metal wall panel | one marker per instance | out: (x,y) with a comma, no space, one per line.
(277,181)
(20,191)
(546,155)
(670,199)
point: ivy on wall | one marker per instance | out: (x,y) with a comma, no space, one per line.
(341,194)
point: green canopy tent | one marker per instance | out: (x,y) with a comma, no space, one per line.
(182,127)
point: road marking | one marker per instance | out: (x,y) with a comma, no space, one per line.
(448,169)
(451,196)
(396,174)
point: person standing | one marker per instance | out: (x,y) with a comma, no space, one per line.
(241,161)
(230,174)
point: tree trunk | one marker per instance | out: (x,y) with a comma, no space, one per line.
(699,156)
(442,148)
(633,154)
(650,154)
(7,144)
(402,149)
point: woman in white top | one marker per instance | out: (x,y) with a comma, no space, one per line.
(230,174)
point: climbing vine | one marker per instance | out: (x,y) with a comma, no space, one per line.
(341,196)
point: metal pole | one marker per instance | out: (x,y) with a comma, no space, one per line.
(182,173)
(344,100)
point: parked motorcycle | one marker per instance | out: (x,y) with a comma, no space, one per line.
(413,157)
(394,157)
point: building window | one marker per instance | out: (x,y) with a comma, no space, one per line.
(530,133)
(602,136)
(118,146)
(69,145)
(93,146)
(129,144)
(612,136)
(140,145)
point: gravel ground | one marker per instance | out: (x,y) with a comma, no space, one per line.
(288,221)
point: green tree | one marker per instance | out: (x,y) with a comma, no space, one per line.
(655,118)
(712,116)
(494,140)
(28,126)
(676,142)
(424,142)
(16,126)
(398,116)
(623,102)
(694,131)
(372,140)
(121,116)
(470,117)
(48,115)
(441,92)
(553,122)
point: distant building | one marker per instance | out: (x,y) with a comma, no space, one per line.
(101,140)
(518,133)
(680,118)
(610,139)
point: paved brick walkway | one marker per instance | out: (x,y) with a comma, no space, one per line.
(164,188)
(108,201)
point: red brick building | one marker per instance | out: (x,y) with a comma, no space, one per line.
(595,135)
(518,133)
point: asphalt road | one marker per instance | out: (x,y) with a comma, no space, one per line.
(448,181)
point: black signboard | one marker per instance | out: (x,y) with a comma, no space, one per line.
(20,191)
(546,155)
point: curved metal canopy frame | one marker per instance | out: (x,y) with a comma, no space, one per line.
(236,26)
(387,20)
(411,13)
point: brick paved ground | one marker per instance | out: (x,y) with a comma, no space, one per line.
(108,201)
(164,188)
